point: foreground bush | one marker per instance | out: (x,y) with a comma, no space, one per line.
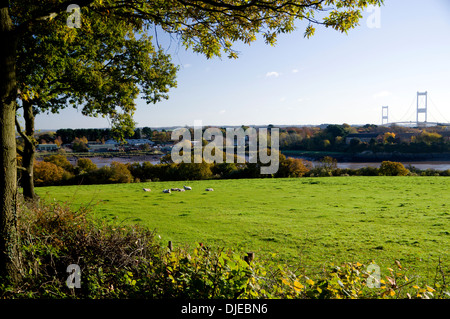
(119,261)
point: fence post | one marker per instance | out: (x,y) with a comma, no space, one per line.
(250,256)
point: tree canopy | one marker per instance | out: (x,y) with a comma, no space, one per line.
(100,68)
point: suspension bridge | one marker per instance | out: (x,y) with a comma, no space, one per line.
(419,114)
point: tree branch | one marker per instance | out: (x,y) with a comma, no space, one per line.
(42,14)
(20,152)
(20,168)
(21,133)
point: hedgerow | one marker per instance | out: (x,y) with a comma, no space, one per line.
(118,261)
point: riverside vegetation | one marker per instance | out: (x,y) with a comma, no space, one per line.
(57,170)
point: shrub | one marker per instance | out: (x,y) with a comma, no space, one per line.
(99,176)
(328,163)
(388,168)
(53,237)
(223,170)
(325,168)
(115,173)
(80,145)
(85,165)
(368,171)
(445,173)
(194,171)
(46,174)
(146,171)
(61,161)
(120,173)
(293,167)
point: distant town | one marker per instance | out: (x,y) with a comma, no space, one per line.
(349,142)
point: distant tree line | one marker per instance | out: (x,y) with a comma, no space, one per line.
(333,138)
(68,135)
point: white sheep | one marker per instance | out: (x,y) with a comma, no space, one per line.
(147,189)
(167,191)
(209,190)
(188,188)
(175,189)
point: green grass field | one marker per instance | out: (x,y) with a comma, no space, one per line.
(307,221)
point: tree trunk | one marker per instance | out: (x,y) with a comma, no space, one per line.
(9,257)
(29,152)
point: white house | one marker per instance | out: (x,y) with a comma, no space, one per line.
(131,142)
(102,147)
(139,141)
(47,147)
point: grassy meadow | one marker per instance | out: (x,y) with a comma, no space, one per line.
(309,222)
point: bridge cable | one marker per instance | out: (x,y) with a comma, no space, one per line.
(447,121)
(409,109)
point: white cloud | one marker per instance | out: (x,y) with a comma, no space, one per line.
(272,74)
(294,70)
(187,65)
(381,94)
(222,112)
(303,100)
(283,99)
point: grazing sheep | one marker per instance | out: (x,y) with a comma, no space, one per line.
(147,189)
(181,190)
(175,189)
(209,190)
(188,188)
(167,191)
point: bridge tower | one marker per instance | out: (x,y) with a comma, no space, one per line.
(385,115)
(422,107)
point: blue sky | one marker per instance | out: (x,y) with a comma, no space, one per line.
(329,78)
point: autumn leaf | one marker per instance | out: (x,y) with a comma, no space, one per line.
(391,281)
(310,282)
(284,281)
(298,286)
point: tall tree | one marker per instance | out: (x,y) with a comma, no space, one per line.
(8,215)
(209,27)
(100,69)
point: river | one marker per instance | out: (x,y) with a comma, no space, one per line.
(422,165)
(440,166)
